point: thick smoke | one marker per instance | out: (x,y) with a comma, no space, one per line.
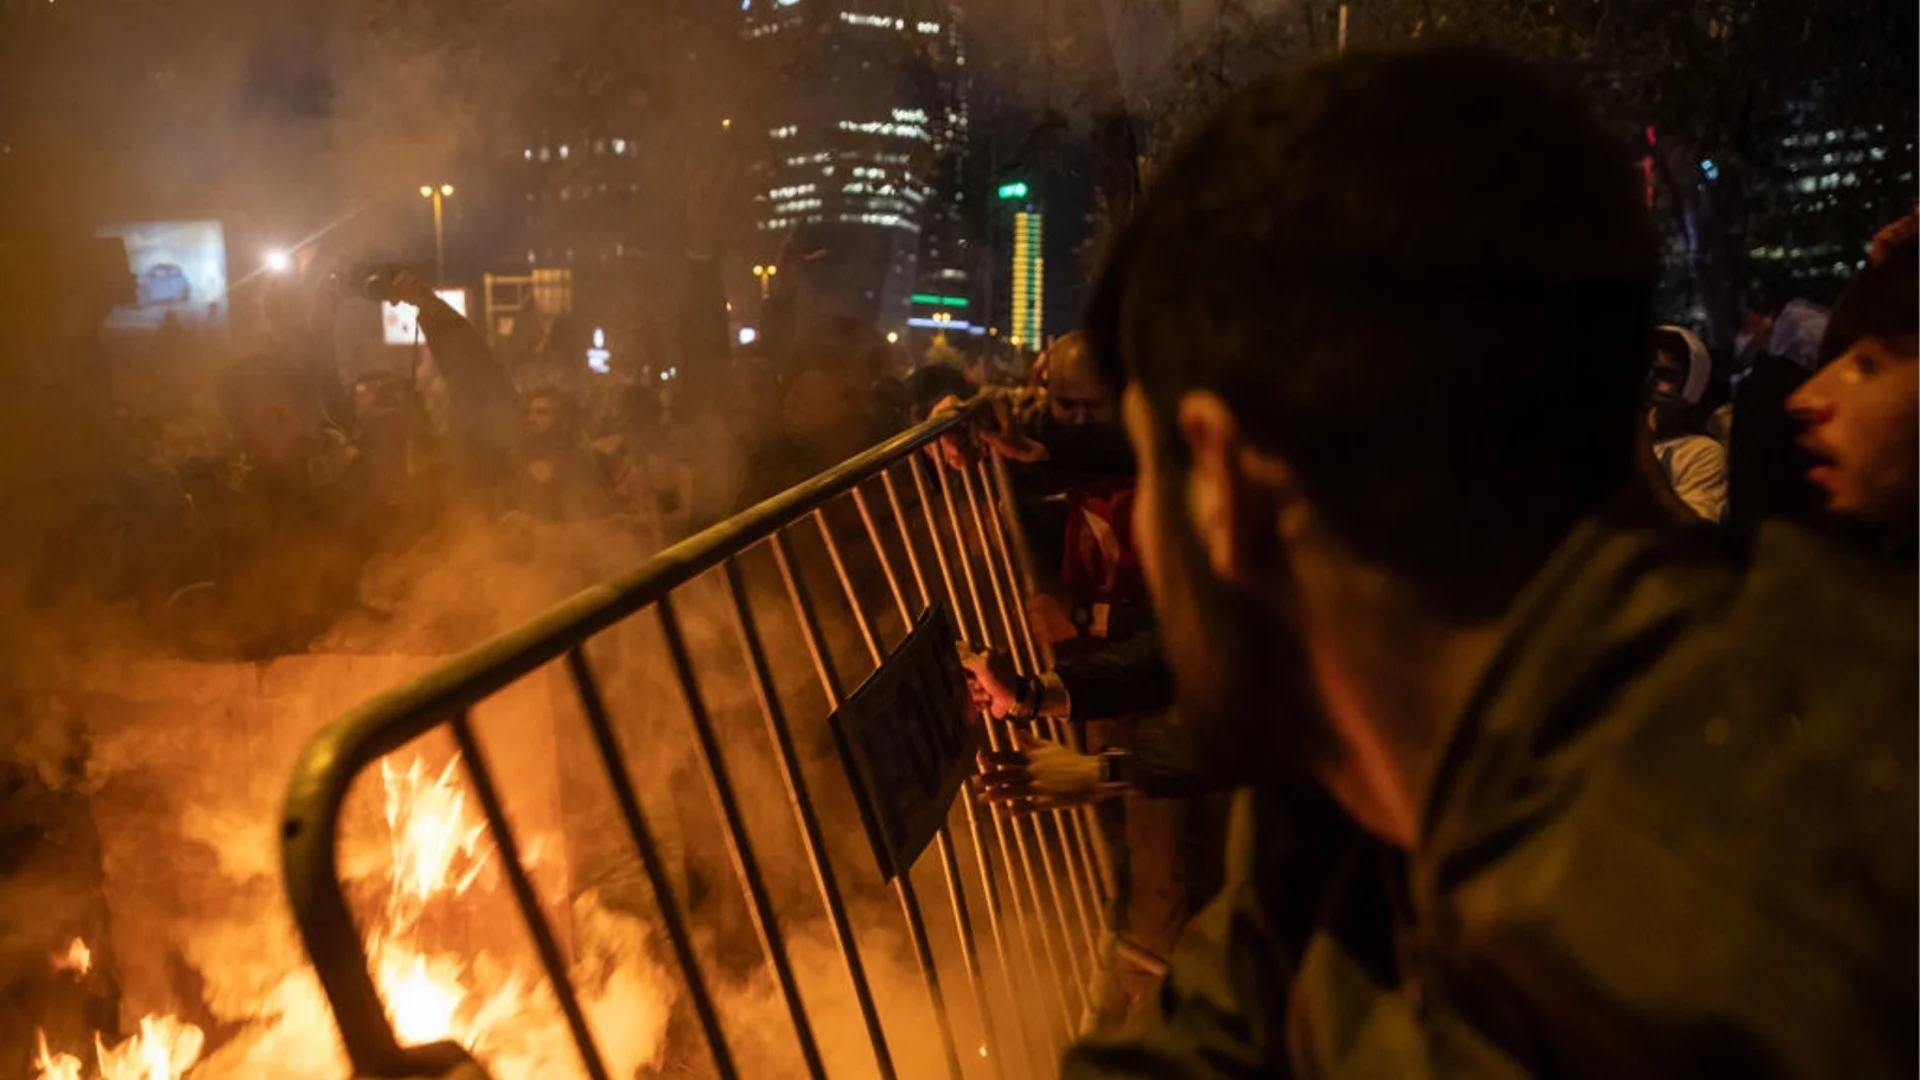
(144,743)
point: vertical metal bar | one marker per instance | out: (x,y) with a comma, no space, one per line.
(997,489)
(1097,861)
(906,539)
(1074,887)
(999,815)
(886,563)
(960,550)
(992,1046)
(802,600)
(523,894)
(1076,840)
(1008,614)
(744,863)
(1093,848)
(803,814)
(976,829)
(902,882)
(860,620)
(1002,818)
(1072,826)
(923,952)
(650,861)
(956,888)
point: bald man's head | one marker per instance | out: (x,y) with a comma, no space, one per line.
(1076,393)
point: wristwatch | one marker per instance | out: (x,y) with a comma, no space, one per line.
(1026,699)
(1116,767)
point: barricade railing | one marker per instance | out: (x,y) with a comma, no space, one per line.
(951,571)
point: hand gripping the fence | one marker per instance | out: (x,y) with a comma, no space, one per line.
(1041,775)
(1001,428)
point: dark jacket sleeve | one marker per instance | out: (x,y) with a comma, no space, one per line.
(1130,677)
(1222,1013)
(483,413)
(1165,763)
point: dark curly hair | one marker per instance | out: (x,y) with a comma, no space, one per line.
(1423,278)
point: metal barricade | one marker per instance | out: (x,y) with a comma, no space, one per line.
(950,565)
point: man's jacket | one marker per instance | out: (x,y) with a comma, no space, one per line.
(1672,834)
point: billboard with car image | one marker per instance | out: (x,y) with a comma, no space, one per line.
(179,273)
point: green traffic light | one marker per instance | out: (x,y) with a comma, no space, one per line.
(1015,190)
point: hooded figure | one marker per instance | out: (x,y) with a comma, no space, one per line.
(1699,365)
(1695,465)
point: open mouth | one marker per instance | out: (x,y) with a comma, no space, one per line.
(1822,470)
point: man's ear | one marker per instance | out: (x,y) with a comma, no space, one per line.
(1238,499)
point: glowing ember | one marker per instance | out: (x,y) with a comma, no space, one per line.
(77,959)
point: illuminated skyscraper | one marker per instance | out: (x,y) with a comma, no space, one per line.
(1027,274)
(1827,191)
(850,129)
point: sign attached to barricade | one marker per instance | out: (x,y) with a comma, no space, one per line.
(907,744)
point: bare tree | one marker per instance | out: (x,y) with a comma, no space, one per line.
(1699,92)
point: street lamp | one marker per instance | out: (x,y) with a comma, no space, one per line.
(428,191)
(764,273)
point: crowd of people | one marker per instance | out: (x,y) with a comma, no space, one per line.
(247,511)
(1563,674)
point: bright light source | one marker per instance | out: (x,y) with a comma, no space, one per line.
(748,335)
(598,357)
(758,269)
(893,337)
(426,192)
(279,262)
(446,189)
(726,123)
(1015,190)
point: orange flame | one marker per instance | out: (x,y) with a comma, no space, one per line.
(436,853)
(496,1007)
(435,849)
(164,1049)
(422,1001)
(77,959)
(54,1066)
